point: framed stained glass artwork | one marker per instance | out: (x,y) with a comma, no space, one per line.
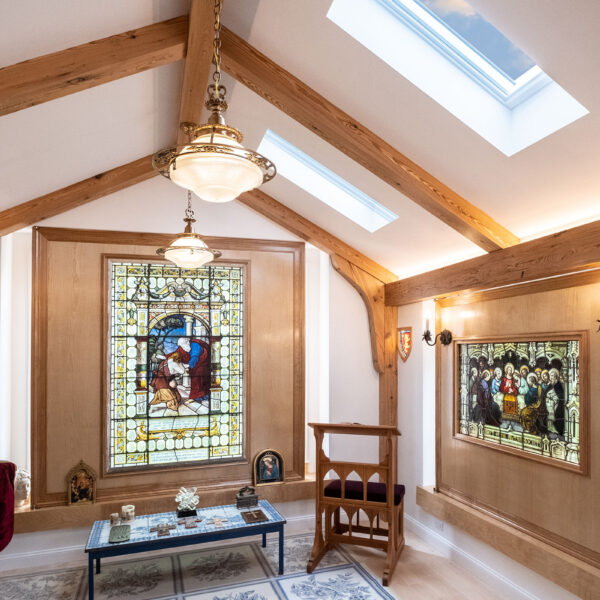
(525,395)
(176,354)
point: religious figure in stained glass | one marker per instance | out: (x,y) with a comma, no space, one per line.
(176,370)
(522,395)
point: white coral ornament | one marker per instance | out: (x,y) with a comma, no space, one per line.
(188,499)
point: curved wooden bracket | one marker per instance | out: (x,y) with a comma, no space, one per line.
(372,291)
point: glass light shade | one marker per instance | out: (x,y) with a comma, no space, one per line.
(215,176)
(189,252)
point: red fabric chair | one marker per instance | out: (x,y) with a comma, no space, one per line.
(7,503)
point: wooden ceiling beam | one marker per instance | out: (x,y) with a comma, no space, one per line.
(82,192)
(78,194)
(302,103)
(308,231)
(568,251)
(197,64)
(75,69)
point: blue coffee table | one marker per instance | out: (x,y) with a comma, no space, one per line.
(218,523)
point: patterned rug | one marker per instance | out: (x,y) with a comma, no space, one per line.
(243,571)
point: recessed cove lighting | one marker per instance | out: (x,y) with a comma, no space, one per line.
(325,185)
(465,64)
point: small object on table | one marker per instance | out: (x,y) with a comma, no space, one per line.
(189,522)
(163,529)
(127,513)
(254,516)
(216,521)
(246,498)
(115,518)
(188,500)
(119,533)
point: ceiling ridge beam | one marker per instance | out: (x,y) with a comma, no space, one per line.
(310,232)
(72,196)
(290,95)
(197,64)
(564,252)
(58,74)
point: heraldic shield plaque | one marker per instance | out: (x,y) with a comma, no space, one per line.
(404,342)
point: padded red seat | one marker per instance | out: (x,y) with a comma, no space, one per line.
(376,492)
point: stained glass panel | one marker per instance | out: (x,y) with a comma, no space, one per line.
(176,364)
(523,395)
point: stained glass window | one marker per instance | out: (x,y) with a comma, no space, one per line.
(176,378)
(522,395)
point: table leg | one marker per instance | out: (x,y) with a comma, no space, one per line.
(281,551)
(264,545)
(98,565)
(90,577)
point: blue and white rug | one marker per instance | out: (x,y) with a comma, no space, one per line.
(234,572)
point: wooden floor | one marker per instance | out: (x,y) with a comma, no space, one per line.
(423,573)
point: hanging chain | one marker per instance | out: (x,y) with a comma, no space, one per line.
(217,45)
(189,211)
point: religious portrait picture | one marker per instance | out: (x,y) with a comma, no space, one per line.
(268,467)
(81,484)
(525,395)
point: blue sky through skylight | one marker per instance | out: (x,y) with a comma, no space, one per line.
(325,185)
(465,21)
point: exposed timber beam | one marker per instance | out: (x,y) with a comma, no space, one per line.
(197,64)
(564,252)
(61,73)
(302,103)
(75,195)
(307,230)
(55,203)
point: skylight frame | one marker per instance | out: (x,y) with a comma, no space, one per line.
(466,57)
(382,215)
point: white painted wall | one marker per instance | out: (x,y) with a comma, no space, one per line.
(416,465)
(353,382)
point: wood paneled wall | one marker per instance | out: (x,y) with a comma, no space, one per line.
(67,363)
(553,504)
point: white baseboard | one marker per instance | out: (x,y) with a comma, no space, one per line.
(472,563)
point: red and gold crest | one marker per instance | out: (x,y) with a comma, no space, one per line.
(404,342)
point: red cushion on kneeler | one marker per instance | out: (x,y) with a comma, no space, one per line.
(376,492)
(7,503)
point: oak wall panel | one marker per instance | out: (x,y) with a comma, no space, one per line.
(554,504)
(68,374)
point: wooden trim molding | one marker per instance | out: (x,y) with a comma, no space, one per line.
(52,76)
(78,194)
(571,250)
(290,95)
(563,567)
(41,497)
(197,64)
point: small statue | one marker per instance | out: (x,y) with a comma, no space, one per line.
(188,500)
(22,487)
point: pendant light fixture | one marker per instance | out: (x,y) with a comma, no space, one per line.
(188,250)
(214,165)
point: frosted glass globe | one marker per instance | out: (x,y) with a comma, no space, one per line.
(193,255)
(215,176)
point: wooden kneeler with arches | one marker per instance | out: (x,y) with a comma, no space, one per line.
(374,509)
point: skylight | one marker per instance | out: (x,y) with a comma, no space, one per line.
(464,63)
(325,185)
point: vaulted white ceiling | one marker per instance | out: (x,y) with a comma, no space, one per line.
(548,186)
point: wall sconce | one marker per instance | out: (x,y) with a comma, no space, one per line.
(445,337)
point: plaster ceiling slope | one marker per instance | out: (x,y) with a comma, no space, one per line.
(57,143)
(546,187)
